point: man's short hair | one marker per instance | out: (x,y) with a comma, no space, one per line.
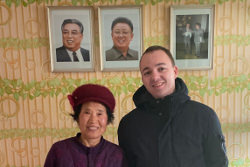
(198,24)
(72,21)
(157,47)
(122,20)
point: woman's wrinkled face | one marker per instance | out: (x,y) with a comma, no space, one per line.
(93,120)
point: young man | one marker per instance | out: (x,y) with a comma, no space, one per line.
(167,128)
(72,35)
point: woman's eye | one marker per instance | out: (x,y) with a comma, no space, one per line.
(86,112)
(101,112)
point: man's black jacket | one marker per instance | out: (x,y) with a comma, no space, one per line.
(171,132)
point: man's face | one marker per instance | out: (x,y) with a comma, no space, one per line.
(158,73)
(72,36)
(197,26)
(122,35)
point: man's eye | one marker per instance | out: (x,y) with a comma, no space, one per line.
(161,69)
(121,32)
(125,33)
(146,73)
(74,33)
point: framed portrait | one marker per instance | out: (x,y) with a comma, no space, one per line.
(191,39)
(121,41)
(71,38)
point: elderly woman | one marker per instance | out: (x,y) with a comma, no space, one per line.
(93,110)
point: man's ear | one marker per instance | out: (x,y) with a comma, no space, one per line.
(176,71)
(132,36)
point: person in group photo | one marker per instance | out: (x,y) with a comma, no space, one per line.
(187,35)
(93,107)
(167,128)
(122,34)
(72,36)
(198,39)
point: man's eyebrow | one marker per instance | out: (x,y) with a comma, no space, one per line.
(159,64)
(144,69)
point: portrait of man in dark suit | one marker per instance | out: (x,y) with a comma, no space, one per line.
(72,36)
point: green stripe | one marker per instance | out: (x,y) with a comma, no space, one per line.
(118,85)
(16,43)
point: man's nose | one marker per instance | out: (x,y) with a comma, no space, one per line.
(120,34)
(155,76)
(70,34)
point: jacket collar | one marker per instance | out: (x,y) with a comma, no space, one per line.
(143,98)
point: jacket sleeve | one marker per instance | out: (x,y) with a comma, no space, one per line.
(214,144)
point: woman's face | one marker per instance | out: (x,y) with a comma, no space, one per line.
(93,120)
(122,35)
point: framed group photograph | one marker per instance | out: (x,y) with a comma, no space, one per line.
(121,43)
(71,38)
(191,39)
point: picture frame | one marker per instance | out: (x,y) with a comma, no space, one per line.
(191,36)
(68,41)
(113,41)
